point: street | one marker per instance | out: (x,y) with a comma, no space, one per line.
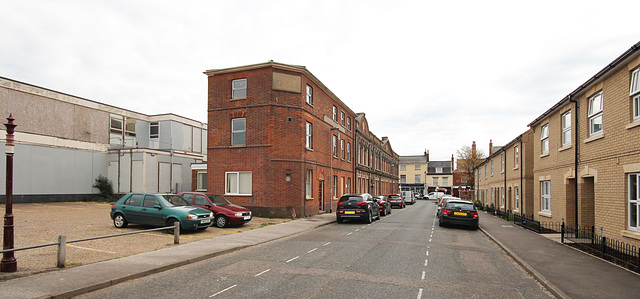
(403,255)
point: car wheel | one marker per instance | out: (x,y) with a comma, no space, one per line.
(370,217)
(378,218)
(475,227)
(119,221)
(441,223)
(172,222)
(339,220)
(384,212)
(389,211)
(221,221)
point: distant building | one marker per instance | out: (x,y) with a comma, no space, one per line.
(419,174)
(64,142)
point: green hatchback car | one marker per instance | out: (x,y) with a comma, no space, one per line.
(159,210)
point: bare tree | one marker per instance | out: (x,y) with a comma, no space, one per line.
(468,159)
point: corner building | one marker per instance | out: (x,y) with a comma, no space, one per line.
(282,144)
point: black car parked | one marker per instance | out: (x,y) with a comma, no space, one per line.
(385,205)
(396,200)
(357,206)
(455,211)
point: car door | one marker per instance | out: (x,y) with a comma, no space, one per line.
(132,208)
(152,211)
(202,201)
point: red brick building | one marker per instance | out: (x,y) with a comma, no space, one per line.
(280,142)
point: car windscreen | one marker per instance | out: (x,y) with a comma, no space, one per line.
(173,200)
(218,200)
(394,197)
(351,199)
(461,205)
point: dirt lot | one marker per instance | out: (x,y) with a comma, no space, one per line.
(41,223)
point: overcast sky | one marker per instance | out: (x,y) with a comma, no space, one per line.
(433,75)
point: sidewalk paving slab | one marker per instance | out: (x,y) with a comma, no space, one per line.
(565,271)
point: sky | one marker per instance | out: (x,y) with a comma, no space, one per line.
(430,75)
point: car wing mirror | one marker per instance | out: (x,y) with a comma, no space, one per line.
(159,207)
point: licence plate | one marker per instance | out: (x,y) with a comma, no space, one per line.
(247,217)
(459,214)
(205,221)
(349,212)
(392,201)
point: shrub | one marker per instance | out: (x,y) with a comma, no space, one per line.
(105,187)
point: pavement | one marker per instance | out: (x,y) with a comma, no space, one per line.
(564,271)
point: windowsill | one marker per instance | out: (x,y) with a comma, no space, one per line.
(564,148)
(309,104)
(228,194)
(630,234)
(544,214)
(309,149)
(633,124)
(544,155)
(309,198)
(238,99)
(238,146)
(516,167)
(594,137)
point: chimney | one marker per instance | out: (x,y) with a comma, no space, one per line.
(473,148)
(490,147)
(427,154)
(452,166)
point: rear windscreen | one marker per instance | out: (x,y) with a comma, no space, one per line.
(461,205)
(351,199)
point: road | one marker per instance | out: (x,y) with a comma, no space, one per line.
(403,255)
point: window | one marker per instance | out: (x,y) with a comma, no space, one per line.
(566,128)
(502,200)
(335,146)
(417,179)
(485,171)
(435,181)
(238,183)
(403,167)
(130,127)
(115,137)
(309,183)
(636,107)
(349,151)
(335,186)
(309,143)
(445,182)
(634,91)
(150,201)
(342,118)
(502,161)
(403,178)
(342,149)
(201,181)
(491,167)
(634,201)
(438,169)
(417,167)
(517,198)
(201,200)
(335,113)
(544,139)
(238,131)
(516,156)
(545,192)
(349,123)
(239,89)
(595,114)
(309,95)
(154,130)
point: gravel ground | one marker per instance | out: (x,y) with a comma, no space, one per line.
(41,223)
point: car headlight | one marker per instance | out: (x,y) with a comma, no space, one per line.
(211,215)
(239,214)
(191,216)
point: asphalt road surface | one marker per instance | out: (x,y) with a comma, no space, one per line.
(403,255)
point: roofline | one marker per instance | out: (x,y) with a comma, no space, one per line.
(615,63)
(281,66)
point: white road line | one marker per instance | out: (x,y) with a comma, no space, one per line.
(429,240)
(419,294)
(349,233)
(218,293)
(357,229)
(427,252)
(263,272)
(312,250)
(423,274)
(426,262)
(325,244)
(292,259)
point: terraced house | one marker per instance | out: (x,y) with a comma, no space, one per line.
(586,153)
(281,143)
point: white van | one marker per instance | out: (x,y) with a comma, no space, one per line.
(435,195)
(408,197)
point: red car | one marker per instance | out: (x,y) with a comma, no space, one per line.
(225,213)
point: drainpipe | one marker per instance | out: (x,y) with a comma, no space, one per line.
(521,166)
(504,192)
(576,157)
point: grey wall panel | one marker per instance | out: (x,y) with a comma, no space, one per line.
(43,170)
(152,173)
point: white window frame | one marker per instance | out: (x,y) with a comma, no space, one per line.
(636,107)
(349,151)
(237,90)
(516,156)
(566,128)
(236,131)
(309,95)
(201,181)
(544,139)
(342,149)
(349,123)
(634,202)
(233,182)
(503,161)
(491,167)
(309,184)
(545,196)
(342,118)
(634,85)
(435,181)
(445,182)
(154,125)
(309,139)
(403,178)
(503,200)
(403,167)
(334,143)
(595,113)
(335,113)
(417,179)
(516,191)
(417,167)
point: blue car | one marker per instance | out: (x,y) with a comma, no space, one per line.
(159,210)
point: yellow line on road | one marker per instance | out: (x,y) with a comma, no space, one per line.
(80,247)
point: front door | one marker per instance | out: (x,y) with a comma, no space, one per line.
(321,195)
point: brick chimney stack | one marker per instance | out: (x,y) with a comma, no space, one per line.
(473,147)
(490,147)
(427,154)
(453,167)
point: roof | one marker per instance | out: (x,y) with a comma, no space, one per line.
(439,164)
(421,159)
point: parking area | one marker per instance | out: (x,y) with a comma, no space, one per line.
(41,223)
